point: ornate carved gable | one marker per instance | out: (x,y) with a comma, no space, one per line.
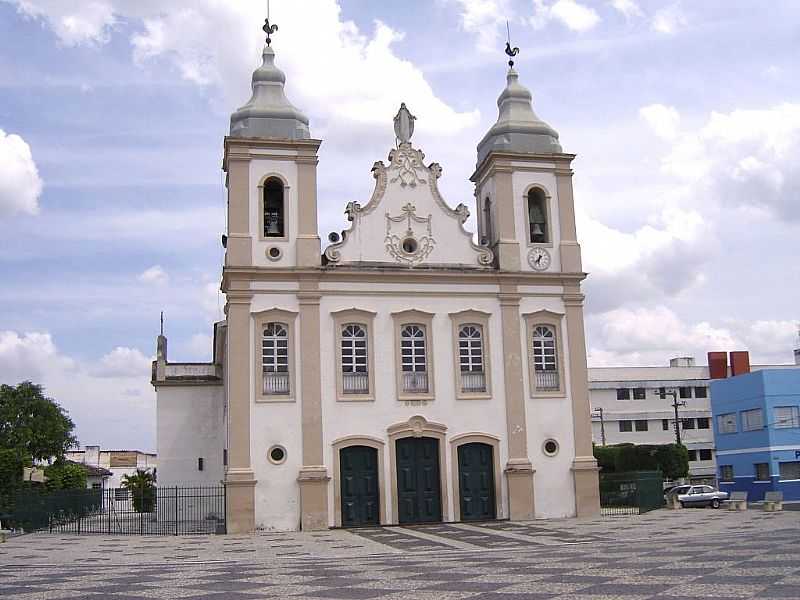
(407,222)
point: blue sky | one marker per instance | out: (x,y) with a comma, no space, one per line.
(685,117)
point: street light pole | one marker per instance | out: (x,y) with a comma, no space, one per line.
(599,410)
(675,405)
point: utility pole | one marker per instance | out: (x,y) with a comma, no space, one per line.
(675,405)
(599,411)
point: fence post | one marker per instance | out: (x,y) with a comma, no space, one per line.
(176,510)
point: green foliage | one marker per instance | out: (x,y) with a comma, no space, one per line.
(672,460)
(142,486)
(65,475)
(32,424)
(11,469)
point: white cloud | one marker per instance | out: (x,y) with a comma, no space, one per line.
(155,275)
(629,8)
(669,20)
(110,400)
(200,347)
(663,120)
(486,19)
(745,158)
(570,13)
(74,23)
(20,185)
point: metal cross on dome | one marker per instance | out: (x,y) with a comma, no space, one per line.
(512,52)
(269,29)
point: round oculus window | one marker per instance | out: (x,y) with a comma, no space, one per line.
(550,447)
(277,454)
(274,253)
(410,245)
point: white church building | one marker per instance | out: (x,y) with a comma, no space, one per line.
(407,374)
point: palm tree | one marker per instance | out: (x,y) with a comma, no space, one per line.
(142,485)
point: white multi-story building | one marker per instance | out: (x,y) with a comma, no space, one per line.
(118,462)
(635,405)
(407,374)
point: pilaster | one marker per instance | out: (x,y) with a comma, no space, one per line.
(239,477)
(313,477)
(584,467)
(570,250)
(519,471)
(308,244)
(239,250)
(507,248)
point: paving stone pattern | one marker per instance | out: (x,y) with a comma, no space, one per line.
(673,555)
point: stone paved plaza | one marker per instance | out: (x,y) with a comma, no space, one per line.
(664,554)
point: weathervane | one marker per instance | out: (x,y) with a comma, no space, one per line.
(269,29)
(512,52)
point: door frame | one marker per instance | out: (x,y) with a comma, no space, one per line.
(418,426)
(357,440)
(483,438)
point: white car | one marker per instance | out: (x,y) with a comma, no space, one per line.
(701,495)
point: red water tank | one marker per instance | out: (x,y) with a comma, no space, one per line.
(717,365)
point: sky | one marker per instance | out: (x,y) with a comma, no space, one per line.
(685,118)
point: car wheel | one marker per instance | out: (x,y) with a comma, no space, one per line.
(715,503)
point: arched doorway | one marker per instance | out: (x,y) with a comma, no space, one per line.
(476,481)
(360,492)
(419,494)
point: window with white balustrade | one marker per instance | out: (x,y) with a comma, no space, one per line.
(275,359)
(545,358)
(414,358)
(470,358)
(355,359)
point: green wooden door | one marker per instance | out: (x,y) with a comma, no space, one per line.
(358,471)
(476,482)
(418,486)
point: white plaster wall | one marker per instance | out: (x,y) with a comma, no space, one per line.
(277,494)
(286,170)
(372,418)
(189,425)
(521,181)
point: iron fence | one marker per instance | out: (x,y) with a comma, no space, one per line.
(120,511)
(631,493)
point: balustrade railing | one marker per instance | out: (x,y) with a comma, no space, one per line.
(355,383)
(473,382)
(547,381)
(415,382)
(276,383)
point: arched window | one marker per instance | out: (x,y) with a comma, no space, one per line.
(537,217)
(470,358)
(274,209)
(414,358)
(486,238)
(275,358)
(355,365)
(545,361)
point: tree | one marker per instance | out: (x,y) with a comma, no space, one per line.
(65,475)
(142,485)
(32,424)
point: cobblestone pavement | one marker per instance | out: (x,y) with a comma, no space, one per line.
(665,554)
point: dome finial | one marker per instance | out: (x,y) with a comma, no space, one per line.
(512,52)
(269,29)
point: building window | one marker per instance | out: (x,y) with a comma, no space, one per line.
(703,423)
(692,455)
(665,424)
(355,363)
(726,472)
(545,361)
(623,394)
(727,423)
(752,419)
(704,453)
(626,426)
(641,425)
(789,470)
(537,217)
(274,209)
(762,471)
(414,359)
(275,359)
(487,237)
(120,494)
(199,464)
(701,392)
(685,392)
(687,423)
(639,394)
(470,358)
(787,416)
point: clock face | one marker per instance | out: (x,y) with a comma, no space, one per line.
(539,259)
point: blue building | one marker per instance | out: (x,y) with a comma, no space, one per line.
(757,432)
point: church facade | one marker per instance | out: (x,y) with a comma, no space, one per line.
(408,373)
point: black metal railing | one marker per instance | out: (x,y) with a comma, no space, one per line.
(155,511)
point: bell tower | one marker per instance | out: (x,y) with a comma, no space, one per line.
(526,215)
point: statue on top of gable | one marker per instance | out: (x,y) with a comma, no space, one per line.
(404,124)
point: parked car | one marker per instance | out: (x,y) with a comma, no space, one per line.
(699,495)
